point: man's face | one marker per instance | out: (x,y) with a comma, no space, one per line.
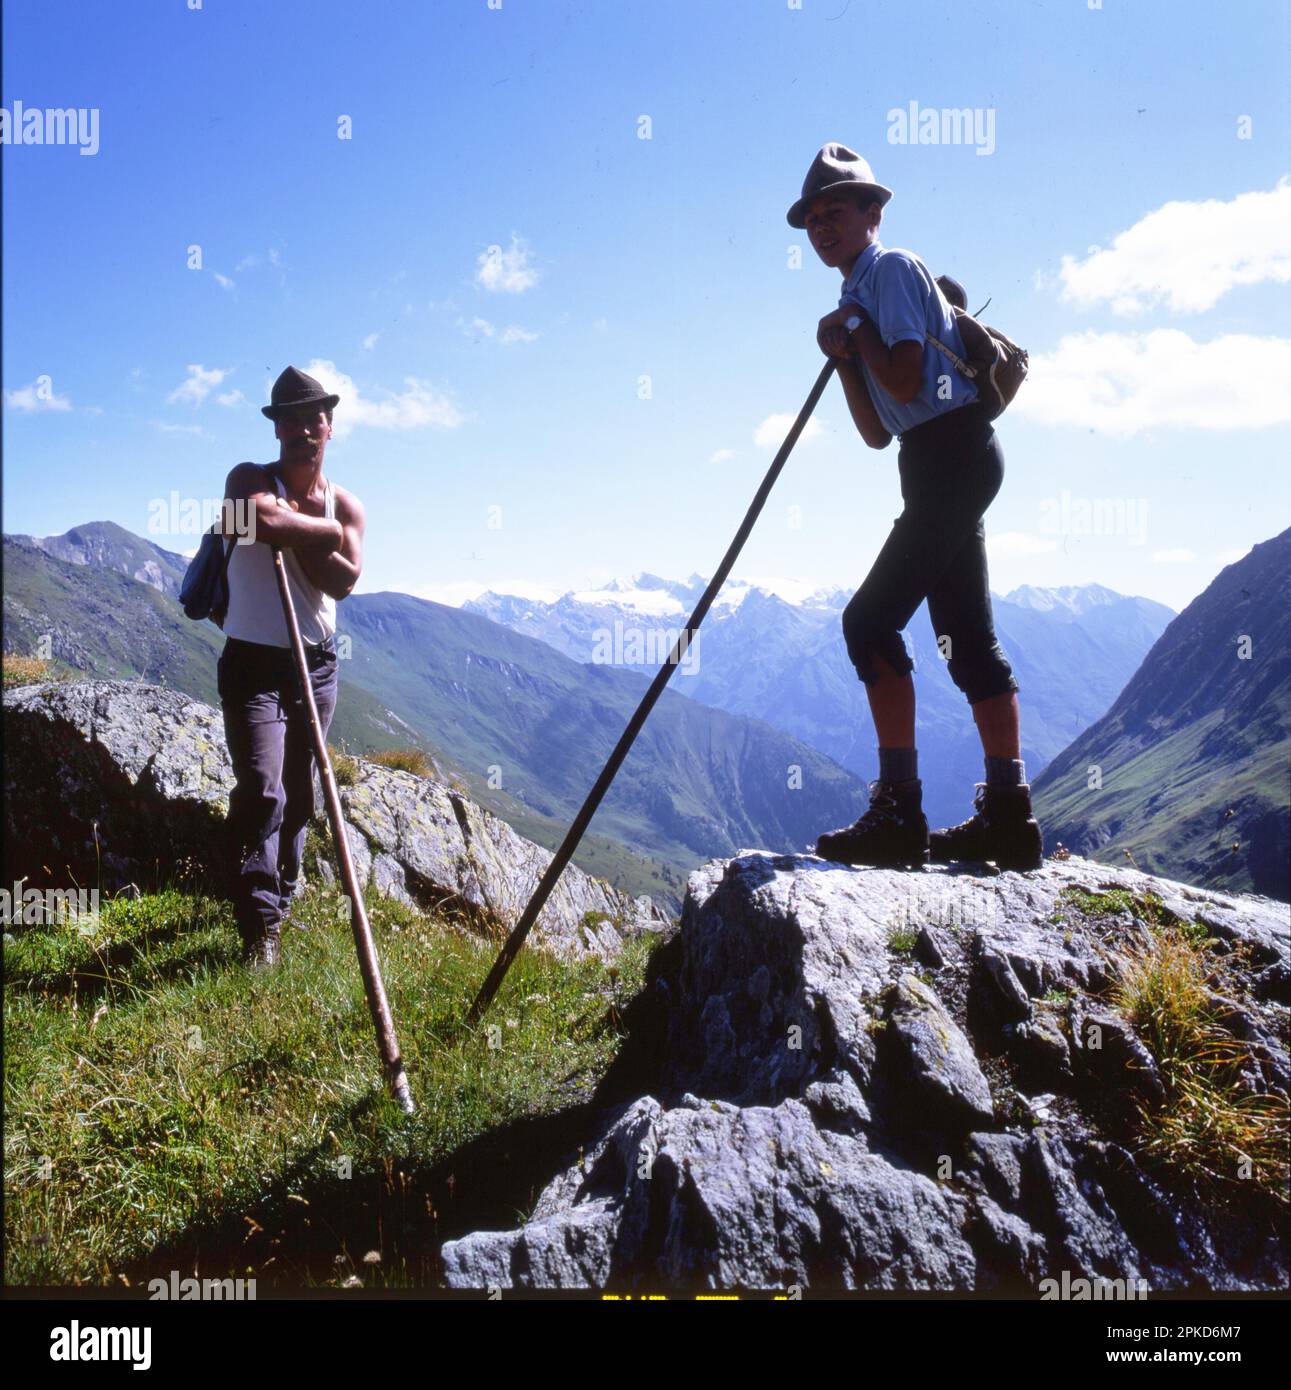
(304,433)
(838,230)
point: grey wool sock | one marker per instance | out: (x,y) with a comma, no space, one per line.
(898,764)
(1005,772)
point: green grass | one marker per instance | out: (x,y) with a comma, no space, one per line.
(344,769)
(404,760)
(1111,901)
(1211,1128)
(31,670)
(902,939)
(159,1097)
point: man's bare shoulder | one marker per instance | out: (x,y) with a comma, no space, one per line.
(349,510)
(246,479)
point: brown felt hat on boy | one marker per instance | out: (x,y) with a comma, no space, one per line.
(835,168)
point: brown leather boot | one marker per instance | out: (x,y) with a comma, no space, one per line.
(1003,830)
(262,953)
(892,834)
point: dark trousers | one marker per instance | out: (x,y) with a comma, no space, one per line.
(267,729)
(951,468)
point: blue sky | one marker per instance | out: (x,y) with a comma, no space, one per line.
(1129,221)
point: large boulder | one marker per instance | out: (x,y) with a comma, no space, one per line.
(115,782)
(807,1106)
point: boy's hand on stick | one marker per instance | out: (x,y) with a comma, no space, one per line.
(832,334)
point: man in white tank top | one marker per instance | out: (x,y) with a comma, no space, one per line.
(319,529)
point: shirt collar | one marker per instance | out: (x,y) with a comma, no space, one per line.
(864,263)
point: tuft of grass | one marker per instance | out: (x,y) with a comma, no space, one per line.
(1210,1127)
(404,760)
(159,1098)
(30,670)
(344,768)
(902,939)
(1113,901)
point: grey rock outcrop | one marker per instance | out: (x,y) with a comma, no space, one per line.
(105,781)
(811,1110)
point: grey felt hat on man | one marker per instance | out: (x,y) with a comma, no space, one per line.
(834,168)
(293,389)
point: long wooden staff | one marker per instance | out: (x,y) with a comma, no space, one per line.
(378,1004)
(575,833)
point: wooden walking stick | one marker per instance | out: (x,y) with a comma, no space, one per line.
(378,1004)
(636,723)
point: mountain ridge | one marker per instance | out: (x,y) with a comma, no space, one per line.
(1187,771)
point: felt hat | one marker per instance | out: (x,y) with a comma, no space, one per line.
(293,389)
(834,168)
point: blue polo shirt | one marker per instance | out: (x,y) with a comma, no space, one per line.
(901,299)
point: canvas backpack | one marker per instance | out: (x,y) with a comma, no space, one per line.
(995,364)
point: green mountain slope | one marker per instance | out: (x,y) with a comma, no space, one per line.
(524,728)
(698,782)
(105,624)
(1194,756)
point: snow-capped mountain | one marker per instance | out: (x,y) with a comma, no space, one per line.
(782,659)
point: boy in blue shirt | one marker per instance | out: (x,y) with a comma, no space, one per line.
(951,467)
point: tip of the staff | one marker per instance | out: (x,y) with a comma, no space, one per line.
(399,1085)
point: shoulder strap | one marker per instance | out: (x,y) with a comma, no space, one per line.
(966,368)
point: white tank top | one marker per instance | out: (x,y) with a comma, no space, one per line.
(255,606)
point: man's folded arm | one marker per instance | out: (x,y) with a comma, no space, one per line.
(337,573)
(276,523)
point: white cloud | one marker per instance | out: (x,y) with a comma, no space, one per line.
(232,398)
(251,261)
(770,434)
(418,406)
(370,341)
(1182,556)
(722,456)
(200,383)
(167,428)
(1187,255)
(223,281)
(1127,382)
(506,271)
(1231,557)
(39,395)
(1009,545)
(507,336)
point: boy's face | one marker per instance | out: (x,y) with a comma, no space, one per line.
(839,230)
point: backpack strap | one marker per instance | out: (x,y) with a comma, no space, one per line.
(966,368)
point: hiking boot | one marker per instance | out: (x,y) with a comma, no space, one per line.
(263,953)
(892,834)
(1003,830)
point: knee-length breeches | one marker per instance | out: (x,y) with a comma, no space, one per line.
(951,468)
